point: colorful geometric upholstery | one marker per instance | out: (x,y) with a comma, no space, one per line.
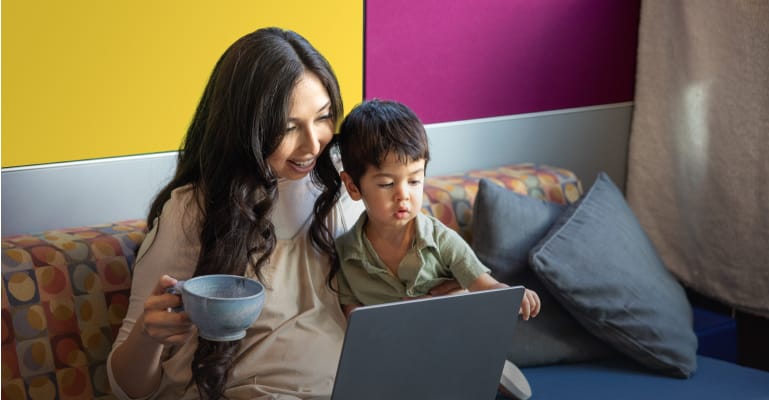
(64,296)
(450,198)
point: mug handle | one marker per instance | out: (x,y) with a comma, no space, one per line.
(177,290)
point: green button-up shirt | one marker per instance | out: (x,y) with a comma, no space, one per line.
(438,254)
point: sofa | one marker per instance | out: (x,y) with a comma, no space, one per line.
(65,292)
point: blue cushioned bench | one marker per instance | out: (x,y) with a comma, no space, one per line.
(622,379)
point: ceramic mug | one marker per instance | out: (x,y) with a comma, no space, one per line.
(221,306)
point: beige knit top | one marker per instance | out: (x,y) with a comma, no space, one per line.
(292,350)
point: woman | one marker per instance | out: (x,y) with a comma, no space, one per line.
(255,193)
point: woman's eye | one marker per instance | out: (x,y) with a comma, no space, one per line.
(290,128)
(415,182)
(324,117)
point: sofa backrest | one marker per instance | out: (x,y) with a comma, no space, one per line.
(450,198)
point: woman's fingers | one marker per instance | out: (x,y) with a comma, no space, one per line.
(159,322)
(167,327)
(163,284)
(447,287)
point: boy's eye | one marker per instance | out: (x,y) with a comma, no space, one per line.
(415,182)
(385,185)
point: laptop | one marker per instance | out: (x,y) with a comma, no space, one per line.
(449,347)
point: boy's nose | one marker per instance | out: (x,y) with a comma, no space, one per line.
(402,192)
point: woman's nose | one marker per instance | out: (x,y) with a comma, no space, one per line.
(311,142)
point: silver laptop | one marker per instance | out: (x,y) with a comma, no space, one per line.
(449,347)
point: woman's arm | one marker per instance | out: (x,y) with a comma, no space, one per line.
(135,363)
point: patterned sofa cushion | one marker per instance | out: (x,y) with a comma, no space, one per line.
(64,296)
(450,198)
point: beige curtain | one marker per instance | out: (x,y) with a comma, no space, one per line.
(698,166)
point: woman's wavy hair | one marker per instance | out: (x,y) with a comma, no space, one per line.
(241,119)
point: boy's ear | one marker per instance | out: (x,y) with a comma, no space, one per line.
(352,190)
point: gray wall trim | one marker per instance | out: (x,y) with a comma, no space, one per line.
(585,140)
(51,196)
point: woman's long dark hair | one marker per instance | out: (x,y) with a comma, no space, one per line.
(241,119)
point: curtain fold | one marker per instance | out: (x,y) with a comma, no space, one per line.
(698,163)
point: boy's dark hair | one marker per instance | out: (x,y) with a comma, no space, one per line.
(376,128)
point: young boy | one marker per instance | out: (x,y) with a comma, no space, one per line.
(394,251)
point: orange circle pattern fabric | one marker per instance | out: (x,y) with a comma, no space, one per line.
(451,198)
(64,295)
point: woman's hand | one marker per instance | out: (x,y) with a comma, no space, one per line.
(347,309)
(136,361)
(443,289)
(447,287)
(161,324)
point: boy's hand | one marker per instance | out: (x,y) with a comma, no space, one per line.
(529,305)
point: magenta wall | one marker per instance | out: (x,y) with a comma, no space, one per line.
(454,60)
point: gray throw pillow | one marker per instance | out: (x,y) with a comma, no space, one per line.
(599,264)
(506,225)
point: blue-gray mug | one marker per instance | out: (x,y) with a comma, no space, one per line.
(221,306)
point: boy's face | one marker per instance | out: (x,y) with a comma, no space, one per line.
(392,193)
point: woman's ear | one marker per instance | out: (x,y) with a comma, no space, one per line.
(352,190)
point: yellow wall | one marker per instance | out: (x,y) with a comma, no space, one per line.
(84,79)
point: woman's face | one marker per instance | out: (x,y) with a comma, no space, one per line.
(310,127)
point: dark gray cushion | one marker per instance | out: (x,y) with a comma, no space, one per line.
(599,264)
(506,225)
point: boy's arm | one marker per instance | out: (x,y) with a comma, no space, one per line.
(530,304)
(485,282)
(462,260)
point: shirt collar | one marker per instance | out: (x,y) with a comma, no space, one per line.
(424,237)
(425,234)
